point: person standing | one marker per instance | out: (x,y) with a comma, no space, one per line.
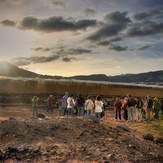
(125,113)
(139,106)
(35,105)
(161,109)
(89,106)
(118,105)
(131,105)
(98,107)
(64,104)
(149,108)
(50,103)
(80,105)
(71,104)
(157,105)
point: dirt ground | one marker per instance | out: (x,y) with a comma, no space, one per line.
(72,139)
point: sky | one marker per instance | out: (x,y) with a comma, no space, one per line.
(82,37)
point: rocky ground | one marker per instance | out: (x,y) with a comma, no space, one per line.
(73,139)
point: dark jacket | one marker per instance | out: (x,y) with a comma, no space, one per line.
(131,102)
(139,104)
(80,101)
(150,103)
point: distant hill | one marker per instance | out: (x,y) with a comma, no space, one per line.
(156,76)
(9,70)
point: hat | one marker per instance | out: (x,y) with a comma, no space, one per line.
(51,95)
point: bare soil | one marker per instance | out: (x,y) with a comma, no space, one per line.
(76,139)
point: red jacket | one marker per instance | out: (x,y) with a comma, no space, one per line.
(50,100)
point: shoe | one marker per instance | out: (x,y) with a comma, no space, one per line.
(115,120)
(119,120)
(124,120)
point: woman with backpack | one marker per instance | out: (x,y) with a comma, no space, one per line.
(71,104)
(89,106)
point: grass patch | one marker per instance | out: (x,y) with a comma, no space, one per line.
(157,126)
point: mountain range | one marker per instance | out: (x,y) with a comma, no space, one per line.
(9,70)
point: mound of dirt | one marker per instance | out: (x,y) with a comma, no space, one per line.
(73,139)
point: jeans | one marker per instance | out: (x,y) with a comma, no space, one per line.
(116,115)
(131,113)
(70,111)
(80,111)
(125,115)
(98,115)
(50,106)
(138,112)
(65,111)
(89,113)
(35,108)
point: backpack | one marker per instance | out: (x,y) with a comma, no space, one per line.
(71,103)
(140,104)
(131,101)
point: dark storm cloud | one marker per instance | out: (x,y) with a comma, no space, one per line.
(116,22)
(152,13)
(146,23)
(8,23)
(52,24)
(117,48)
(89,11)
(141,48)
(78,51)
(144,30)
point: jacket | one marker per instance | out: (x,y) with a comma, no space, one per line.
(118,105)
(98,106)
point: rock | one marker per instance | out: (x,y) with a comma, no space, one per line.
(123,126)
(148,137)
(41,115)
(93,119)
(159,140)
(11,118)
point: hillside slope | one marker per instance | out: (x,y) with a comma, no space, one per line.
(9,70)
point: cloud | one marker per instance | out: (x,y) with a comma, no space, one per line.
(22,61)
(106,43)
(146,23)
(89,11)
(55,4)
(141,48)
(116,22)
(14,2)
(8,23)
(150,14)
(63,54)
(117,48)
(52,24)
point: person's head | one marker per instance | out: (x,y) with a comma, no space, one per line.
(51,95)
(98,98)
(148,97)
(79,95)
(71,95)
(128,95)
(34,97)
(88,97)
(125,99)
(66,93)
(117,99)
(155,99)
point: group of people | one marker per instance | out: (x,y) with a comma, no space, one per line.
(81,105)
(134,108)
